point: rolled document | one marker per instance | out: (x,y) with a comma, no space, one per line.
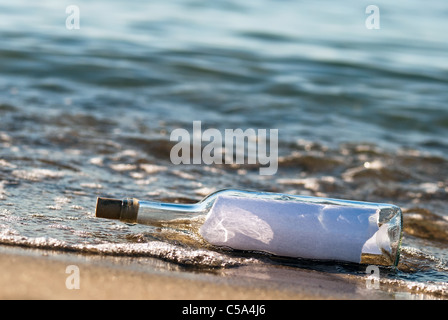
(294,229)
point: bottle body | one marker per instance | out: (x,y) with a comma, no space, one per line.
(286,225)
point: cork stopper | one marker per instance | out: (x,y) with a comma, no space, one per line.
(108,208)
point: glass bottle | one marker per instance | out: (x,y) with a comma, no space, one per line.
(284,225)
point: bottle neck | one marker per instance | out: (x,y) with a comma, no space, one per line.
(153,211)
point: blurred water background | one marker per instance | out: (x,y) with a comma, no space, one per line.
(362,114)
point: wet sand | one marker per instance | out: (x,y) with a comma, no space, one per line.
(30,274)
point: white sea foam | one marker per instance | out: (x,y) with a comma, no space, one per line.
(123,167)
(152,168)
(2,191)
(37,174)
(166,251)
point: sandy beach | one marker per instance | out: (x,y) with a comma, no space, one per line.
(31,274)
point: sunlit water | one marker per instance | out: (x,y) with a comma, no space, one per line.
(362,114)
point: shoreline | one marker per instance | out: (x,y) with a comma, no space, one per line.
(39,274)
